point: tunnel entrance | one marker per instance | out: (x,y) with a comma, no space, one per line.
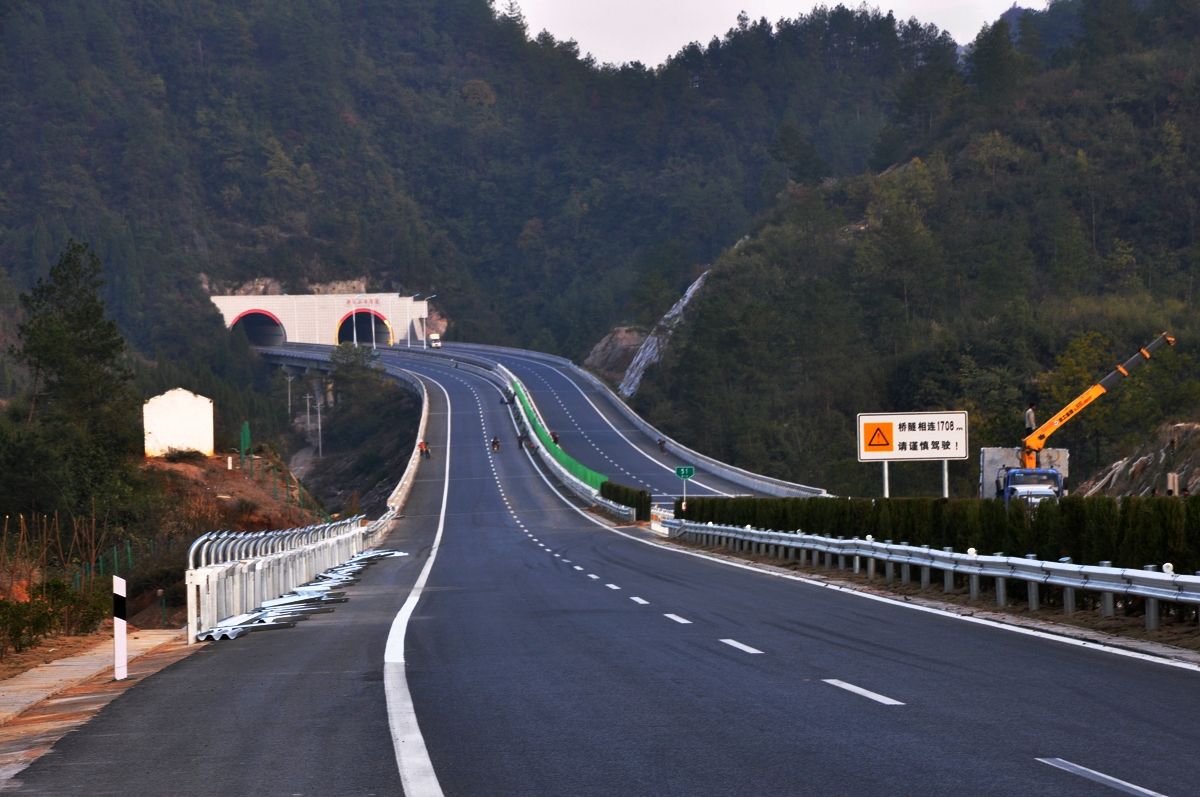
(366,327)
(261,328)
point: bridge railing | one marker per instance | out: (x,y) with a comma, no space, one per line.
(1150,583)
(754,481)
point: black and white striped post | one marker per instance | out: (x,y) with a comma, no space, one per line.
(120,650)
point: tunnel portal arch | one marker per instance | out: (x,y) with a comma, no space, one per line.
(369,325)
(262,328)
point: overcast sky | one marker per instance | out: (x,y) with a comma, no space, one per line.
(616,31)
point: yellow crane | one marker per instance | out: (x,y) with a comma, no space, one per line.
(1036,441)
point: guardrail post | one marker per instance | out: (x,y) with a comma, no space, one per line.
(1107,602)
(889,568)
(1035,602)
(857,563)
(841,556)
(1001,586)
(948,575)
(870,568)
(905,569)
(925,572)
(1151,606)
(973,582)
(1068,592)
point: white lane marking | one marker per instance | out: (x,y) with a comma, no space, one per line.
(678,619)
(568,561)
(858,690)
(612,586)
(641,601)
(1100,777)
(417,776)
(577,567)
(593,576)
(993,624)
(733,643)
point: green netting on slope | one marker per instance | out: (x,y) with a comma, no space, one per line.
(585,474)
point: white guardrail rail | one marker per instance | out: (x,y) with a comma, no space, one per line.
(1150,583)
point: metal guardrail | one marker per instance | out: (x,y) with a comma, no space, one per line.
(754,481)
(1149,583)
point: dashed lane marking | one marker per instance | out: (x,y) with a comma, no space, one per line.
(733,643)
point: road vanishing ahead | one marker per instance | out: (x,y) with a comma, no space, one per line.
(550,654)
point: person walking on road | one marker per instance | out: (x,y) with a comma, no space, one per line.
(424,449)
(662,445)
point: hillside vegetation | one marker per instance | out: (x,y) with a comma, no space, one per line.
(1039,226)
(925,232)
(432,145)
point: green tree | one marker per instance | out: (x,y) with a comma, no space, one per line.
(82,392)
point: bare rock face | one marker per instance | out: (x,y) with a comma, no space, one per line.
(612,355)
(1174,449)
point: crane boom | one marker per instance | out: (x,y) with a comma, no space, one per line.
(1036,441)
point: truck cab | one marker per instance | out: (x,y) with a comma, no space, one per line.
(435,340)
(1033,485)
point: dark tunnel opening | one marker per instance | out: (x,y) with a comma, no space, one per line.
(261,329)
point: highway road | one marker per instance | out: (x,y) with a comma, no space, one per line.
(547,653)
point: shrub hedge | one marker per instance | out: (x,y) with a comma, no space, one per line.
(627,496)
(1130,532)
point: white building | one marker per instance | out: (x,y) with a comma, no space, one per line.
(178,420)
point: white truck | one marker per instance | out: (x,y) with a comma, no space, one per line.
(435,340)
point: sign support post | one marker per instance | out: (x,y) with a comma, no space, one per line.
(686,472)
(886,493)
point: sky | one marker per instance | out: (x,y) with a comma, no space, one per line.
(650,31)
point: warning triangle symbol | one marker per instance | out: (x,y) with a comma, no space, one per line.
(879,439)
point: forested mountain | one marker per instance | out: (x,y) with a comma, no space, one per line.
(1038,225)
(424,144)
(928,231)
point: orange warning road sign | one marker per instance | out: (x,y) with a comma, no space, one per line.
(895,436)
(878,436)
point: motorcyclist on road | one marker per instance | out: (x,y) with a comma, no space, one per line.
(495,444)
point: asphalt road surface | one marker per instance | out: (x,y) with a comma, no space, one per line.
(549,654)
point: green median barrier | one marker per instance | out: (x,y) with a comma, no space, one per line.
(585,474)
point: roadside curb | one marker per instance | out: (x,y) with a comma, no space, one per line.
(19,693)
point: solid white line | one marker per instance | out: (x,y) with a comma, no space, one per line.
(733,643)
(678,619)
(612,586)
(417,776)
(858,690)
(1100,777)
(640,600)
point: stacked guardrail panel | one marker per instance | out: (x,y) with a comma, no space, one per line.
(230,573)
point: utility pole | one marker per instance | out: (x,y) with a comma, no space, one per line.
(320,452)
(307,416)
(289,378)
